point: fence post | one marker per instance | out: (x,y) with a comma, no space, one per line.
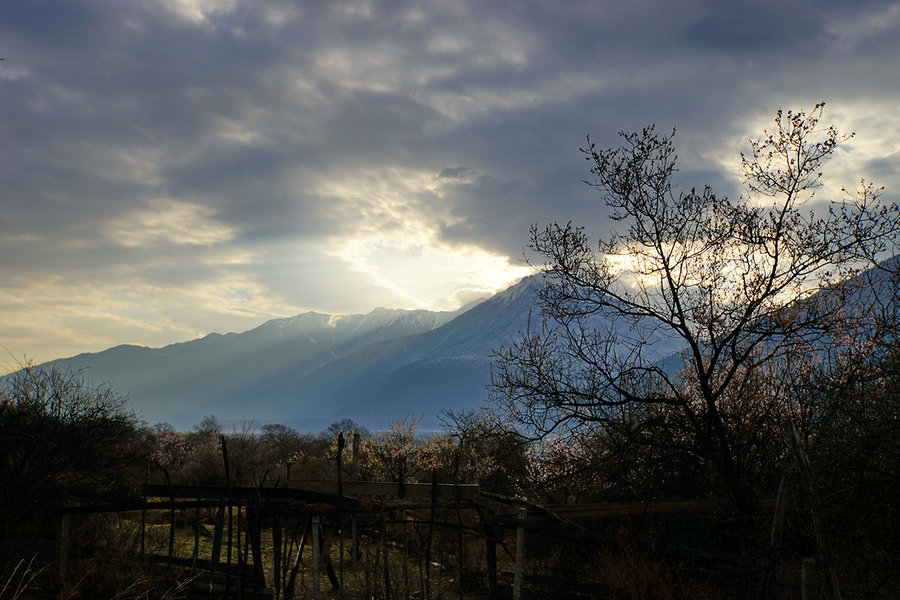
(196,551)
(520,553)
(490,545)
(340,463)
(276,553)
(434,491)
(354,475)
(230,515)
(171,517)
(143,528)
(317,588)
(807,569)
(822,540)
(341,442)
(384,550)
(63,551)
(459,531)
(216,553)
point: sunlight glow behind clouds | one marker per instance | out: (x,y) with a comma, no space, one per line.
(168,220)
(869,22)
(155,315)
(391,239)
(200,11)
(396,265)
(869,154)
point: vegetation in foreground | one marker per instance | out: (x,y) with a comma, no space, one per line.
(850,439)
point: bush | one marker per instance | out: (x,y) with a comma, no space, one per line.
(63,441)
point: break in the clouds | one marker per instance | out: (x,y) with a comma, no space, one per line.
(175,167)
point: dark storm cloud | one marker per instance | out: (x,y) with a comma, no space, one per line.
(258,147)
(769,27)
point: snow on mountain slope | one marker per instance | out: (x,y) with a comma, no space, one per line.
(312,369)
(183,382)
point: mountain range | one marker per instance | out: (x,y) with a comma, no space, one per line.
(312,369)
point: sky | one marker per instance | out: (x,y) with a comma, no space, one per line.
(171,168)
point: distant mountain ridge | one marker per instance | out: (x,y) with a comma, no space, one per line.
(311,369)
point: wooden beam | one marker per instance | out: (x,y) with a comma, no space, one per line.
(323,490)
(389,489)
(243,495)
(625,509)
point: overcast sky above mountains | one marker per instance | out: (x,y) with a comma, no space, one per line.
(175,167)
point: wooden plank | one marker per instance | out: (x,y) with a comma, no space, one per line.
(321,490)
(308,492)
(244,495)
(389,489)
(319,502)
(625,509)
(304,502)
(139,504)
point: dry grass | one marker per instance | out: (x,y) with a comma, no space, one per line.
(21,582)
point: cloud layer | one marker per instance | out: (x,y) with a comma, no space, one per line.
(174,167)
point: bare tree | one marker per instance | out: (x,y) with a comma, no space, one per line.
(733,284)
(62,439)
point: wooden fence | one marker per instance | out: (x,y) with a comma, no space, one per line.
(253,526)
(259,534)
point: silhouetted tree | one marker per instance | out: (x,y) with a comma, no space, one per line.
(733,283)
(209,426)
(62,440)
(346,426)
